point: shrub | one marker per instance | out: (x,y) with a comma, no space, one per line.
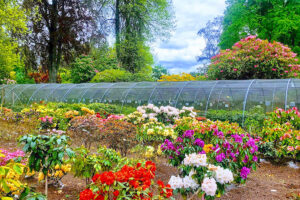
(281,135)
(128,183)
(83,69)
(253,58)
(118,135)
(177,77)
(112,75)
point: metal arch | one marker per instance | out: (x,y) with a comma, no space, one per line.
(59,85)
(245,100)
(87,91)
(213,87)
(129,89)
(69,90)
(18,96)
(286,94)
(106,91)
(43,85)
(157,83)
(10,90)
(219,97)
(273,96)
(180,93)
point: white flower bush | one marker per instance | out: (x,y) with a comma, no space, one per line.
(165,114)
(209,186)
(212,175)
(196,160)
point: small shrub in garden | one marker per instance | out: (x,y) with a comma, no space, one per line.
(128,183)
(85,164)
(164,114)
(118,135)
(46,122)
(86,129)
(112,75)
(83,69)
(209,160)
(46,152)
(178,77)
(253,58)
(281,135)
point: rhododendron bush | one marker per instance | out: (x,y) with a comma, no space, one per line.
(253,58)
(128,183)
(209,159)
(281,135)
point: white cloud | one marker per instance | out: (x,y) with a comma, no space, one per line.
(180,52)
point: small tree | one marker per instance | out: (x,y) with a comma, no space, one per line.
(253,58)
(46,151)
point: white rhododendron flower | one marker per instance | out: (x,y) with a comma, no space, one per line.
(189,182)
(196,160)
(224,175)
(209,186)
(176,182)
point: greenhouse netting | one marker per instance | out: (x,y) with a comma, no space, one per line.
(203,95)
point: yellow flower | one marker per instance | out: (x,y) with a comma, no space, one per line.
(159,151)
(41,176)
(150,131)
(207,148)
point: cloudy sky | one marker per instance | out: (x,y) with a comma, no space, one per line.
(179,53)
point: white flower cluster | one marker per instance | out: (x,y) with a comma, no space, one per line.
(209,186)
(188,109)
(187,182)
(224,175)
(151,111)
(196,160)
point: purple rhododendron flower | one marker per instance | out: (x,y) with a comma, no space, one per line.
(244,172)
(254,158)
(220,157)
(179,139)
(199,142)
(202,152)
(246,159)
(188,134)
(237,138)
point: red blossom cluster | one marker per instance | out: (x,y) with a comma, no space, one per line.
(136,179)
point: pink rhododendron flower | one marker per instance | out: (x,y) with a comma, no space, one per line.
(290,148)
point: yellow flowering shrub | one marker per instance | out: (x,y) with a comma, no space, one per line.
(135,118)
(71,114)
(177,77)
(156,132)
(57,173)
(87,111)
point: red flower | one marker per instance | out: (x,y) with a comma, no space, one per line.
(116,193)
(87,194)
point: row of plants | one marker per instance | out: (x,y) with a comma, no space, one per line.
(209,155)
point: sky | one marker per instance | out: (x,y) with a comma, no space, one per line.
(178,54)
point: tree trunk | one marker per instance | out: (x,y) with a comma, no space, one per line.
(52,44)
(117,29)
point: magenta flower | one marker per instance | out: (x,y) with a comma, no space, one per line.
(245,172)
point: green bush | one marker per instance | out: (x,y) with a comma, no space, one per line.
(112,75)
(83,69)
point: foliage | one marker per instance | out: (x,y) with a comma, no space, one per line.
(12,22)
(65,75)
(158,71)
(127,183)
(46,151)
(281,135)
(21,77)
(137,22)
(209,148)
(83,69)
(85,164)
(112,75)
(60,32)
(177,77)
(118,135)
(252,58)
(271,20)
(104,57)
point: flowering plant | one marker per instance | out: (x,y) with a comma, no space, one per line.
(253,58)
(164,114)
(128,183)
(177,77)
(156,132)
(46,122)
(281,116)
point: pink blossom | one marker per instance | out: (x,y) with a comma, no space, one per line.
(255,66)
(290,148)
(235,69)
(221,71)
(295,74)
(273,69)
